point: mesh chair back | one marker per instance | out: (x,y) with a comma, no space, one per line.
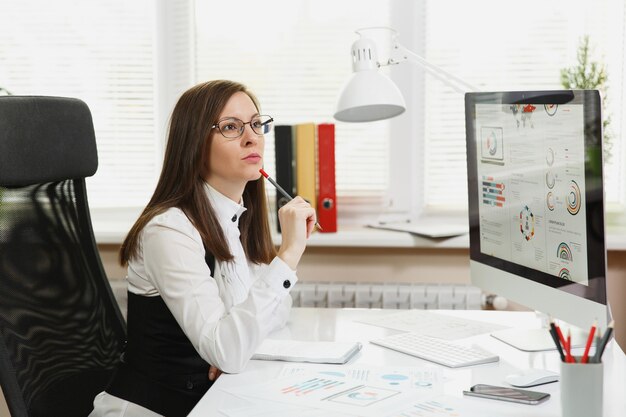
(61,331)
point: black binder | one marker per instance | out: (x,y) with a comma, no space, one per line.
(285,169)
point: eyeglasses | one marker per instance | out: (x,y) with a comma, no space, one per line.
(232,128)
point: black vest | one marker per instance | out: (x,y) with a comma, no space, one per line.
(160,369)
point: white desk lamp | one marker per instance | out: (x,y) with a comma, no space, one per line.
(369,95)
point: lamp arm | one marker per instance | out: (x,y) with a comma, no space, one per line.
(400,54)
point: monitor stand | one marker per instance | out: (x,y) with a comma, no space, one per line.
(537,340)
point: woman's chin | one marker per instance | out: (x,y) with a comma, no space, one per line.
(254,175)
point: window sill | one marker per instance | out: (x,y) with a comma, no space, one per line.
(365,237)
(111,226)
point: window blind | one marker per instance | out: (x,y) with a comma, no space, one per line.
(102,53)
(295,56)
(496,47)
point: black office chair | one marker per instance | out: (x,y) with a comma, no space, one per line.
(61,330)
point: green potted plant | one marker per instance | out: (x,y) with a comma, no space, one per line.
(590,75)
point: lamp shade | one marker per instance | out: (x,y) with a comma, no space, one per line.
(369,96)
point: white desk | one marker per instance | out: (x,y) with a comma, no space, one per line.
(339,324)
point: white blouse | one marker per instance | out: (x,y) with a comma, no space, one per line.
(225,313)
(225,317)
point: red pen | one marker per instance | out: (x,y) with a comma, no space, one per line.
(585,357)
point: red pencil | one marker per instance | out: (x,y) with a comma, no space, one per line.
(570,358)
(568,355)
(585,357)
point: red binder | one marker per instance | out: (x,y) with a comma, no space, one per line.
(327,196)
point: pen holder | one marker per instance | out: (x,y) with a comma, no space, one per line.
(581,389)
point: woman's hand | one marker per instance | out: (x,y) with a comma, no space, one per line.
(214,373)
(297,220)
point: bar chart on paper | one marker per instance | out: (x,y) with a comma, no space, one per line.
(332,393)
(337,391)
(310,386)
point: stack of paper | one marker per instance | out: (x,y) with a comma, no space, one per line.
(300,351)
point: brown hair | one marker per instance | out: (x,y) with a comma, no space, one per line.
(181,183)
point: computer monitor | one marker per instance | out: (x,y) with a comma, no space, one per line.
(536,209)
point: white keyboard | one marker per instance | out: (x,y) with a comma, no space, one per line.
(436,350)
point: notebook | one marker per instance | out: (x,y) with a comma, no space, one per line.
(301,351)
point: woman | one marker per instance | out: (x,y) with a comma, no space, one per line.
(205,283)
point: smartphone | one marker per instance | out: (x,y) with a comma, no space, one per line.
(507,394)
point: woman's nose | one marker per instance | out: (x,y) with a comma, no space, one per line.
(249,136)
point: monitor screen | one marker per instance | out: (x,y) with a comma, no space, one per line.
(536,198)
